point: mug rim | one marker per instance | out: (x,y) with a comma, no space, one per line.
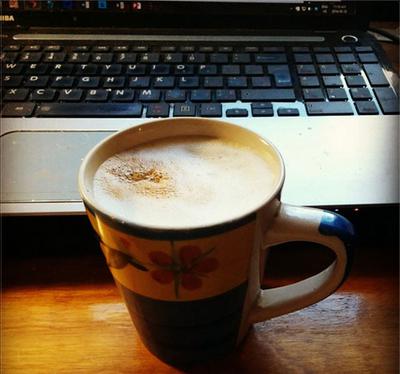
(149,231)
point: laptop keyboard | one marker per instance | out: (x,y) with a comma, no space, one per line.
(153,80)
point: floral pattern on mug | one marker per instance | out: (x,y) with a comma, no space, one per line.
(185,268)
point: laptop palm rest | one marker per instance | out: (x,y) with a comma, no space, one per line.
(43,166)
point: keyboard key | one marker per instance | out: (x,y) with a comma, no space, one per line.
(324,58)
(367,57)
(173,58)
(90,110)
(138,69)
(261,82)
(346,58)
(122,95)
(302,58)
(206,49)
(114,82)
(301,49)
(12,48)
(361,93)
(97,95)
(71,94)
(336,94)
(183,110)
(30,57)
(54,57)
(219,58)
(13,68)
(388,101)
(355,81)
(350,68)
(16,94)
(225,49)
(43,94)
(207,70)
(279,94)
(237,112)
(53,48)
(103,58)
(322,49)
(251,49)
(332,81)
(163,82)
(88,82)
(183,69)
(62,82)
(161,69)
(12,80)
(253,70)
(168,48)
(101,48)
(175,95)
(200,95)
(157,110)
(281,75)
(196,58)
(36,81)
(140,48)
(114,69)
(85,69)
(273,49)
(211,110)
(241,58)
(270,58)
(213,82)
(364,49)
(139,82)
(37,69)
(313,94)
(126,58)
(237,82)
(81,48)
(375,75)
(331,108)
(262,110)
(230,70)
(328,69)
(33,48)
(366,107)
(288,112)
(306,69)
(120,48)
(309,81)
(18,110)
(188,82)
(225,95)
(342,49)
(62,69)
(149,95)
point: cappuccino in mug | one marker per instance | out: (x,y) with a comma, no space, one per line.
(185,181)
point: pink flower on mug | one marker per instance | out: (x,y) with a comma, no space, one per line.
(187,270)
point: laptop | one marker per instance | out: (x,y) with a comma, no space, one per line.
(304,74)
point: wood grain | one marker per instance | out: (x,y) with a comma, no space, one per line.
(66,316)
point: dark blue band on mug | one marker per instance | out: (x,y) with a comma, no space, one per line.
(168,234)
(333,224)
(189,331)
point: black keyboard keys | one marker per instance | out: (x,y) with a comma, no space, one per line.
(387,100)
(375,75)
(325,108)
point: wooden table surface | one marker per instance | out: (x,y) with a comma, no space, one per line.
(63,314)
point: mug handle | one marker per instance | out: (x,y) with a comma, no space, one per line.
(294,223)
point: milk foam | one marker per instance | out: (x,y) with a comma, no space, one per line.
(189,181)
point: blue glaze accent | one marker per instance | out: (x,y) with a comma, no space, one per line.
(333,224)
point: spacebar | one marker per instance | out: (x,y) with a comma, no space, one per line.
(89,110)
